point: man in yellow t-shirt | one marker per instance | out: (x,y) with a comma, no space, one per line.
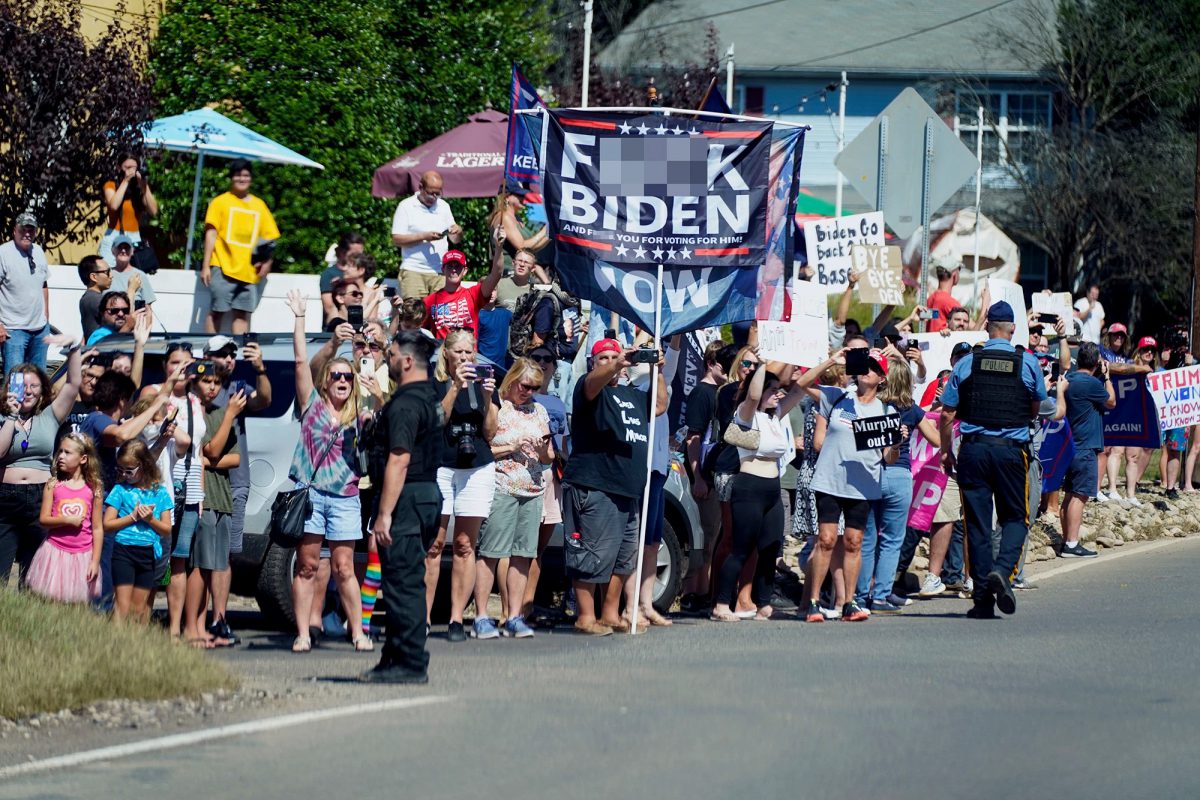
(236,226)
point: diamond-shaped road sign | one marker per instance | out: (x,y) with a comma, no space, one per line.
(892,151)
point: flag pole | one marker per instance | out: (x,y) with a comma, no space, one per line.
(641,551)
(587,50)
(978,198)
(187,254)
(729,75)
(841,140)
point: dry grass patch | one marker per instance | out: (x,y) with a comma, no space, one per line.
(55,656)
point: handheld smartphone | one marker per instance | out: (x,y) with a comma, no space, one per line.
(249,338)
(354,315)
(389,291)
(931,313)
(1055,371)
(858,360)
(172,413)
(138,305)
(1048,319)
(484,371)
(16,386)
(102,360)
(366,365)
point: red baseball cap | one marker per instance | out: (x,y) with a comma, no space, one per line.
(1117,327)
(606,346)
(456,256)
(1147,342)
(878,358)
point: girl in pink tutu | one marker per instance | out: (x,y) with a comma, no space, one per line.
(67,565)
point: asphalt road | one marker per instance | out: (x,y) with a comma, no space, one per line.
(1089,691)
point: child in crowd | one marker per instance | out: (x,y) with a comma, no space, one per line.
(66,567)
(138,515)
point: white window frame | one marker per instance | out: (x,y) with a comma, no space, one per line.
(966,121)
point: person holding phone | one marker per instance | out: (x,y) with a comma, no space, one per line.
(423,227)
(467,472)
(846,480)
(128,201)
(456,306)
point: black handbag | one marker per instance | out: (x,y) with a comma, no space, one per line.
(292,508)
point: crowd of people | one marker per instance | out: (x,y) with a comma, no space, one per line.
(481,417)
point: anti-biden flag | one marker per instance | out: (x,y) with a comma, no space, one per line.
(708,200)
(520,156)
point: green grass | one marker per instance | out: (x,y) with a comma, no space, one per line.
(55,656)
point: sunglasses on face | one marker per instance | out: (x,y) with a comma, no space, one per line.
(529,387)
(127,472)
(117,312)
(105,271)
(341,376)
(374,347)
(747,363)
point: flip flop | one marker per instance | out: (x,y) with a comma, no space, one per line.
(715,617)
(750,614)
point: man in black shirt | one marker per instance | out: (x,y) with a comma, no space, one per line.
(603,484)
(409,503)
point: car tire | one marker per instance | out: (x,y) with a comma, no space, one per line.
(274,590)
(668,582)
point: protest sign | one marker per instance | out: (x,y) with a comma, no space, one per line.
(626,192)
(1176,394)
(880,274)
(929,484)
(1133,421)
(872,433)
(804,340)
(1057,304)
(935,352)
(828,242)
(1058,448)
(1014,295)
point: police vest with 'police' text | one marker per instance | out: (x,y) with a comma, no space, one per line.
(994,394)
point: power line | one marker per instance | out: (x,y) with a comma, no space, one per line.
(705,16)
(894,39)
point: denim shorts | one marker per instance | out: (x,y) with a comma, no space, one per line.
(337,518)
(185,532)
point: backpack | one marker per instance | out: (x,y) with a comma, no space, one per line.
(520,329)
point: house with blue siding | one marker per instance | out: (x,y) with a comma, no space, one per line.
(789,56)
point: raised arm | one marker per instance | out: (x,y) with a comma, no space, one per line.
(298,303)
(488,284)
(843,306)
(754,392)
(69,392)
(141,335)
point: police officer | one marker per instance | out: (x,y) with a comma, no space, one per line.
(994,392)
(405,457)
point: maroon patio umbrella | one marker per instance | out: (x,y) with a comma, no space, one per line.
(470,159)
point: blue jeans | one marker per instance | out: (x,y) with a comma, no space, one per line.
(23,347)
(885,531)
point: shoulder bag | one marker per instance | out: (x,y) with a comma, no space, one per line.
(292,508)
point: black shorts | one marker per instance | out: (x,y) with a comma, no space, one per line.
(830,509)
(133,565)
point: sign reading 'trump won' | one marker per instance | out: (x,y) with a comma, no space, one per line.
(1176,394)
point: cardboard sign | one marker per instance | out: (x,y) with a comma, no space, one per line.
(828,242)
(935,352)
(1014,295)
(880,274)
(1058,304)
(1176,394)
(873,433)
(804,340)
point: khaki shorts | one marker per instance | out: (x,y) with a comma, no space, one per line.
(950,509)
(419,284)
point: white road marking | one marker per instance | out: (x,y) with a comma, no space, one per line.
(1108,557)
(225,731)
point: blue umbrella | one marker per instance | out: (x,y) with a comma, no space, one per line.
(205,132)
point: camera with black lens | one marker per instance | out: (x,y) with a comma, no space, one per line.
(463,434)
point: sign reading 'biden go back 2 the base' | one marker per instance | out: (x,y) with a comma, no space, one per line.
(626,192)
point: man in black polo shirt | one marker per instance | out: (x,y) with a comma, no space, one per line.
(405,459)
(603,484)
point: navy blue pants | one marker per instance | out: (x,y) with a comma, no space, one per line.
(992,475)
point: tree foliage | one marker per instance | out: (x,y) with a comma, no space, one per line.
(348,83)
(70,106)
(1106,191)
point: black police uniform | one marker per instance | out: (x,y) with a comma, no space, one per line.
(994,401)
(412,422)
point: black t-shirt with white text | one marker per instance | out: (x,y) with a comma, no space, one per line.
(609,440)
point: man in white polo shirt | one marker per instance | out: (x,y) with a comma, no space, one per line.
(421,227)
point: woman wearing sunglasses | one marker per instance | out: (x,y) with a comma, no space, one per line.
(522,446)
(326,461)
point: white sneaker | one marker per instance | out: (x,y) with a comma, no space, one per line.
(932,586)
(831,613)
(1101,497)
(1133,501)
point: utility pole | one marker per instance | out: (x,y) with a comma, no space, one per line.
(1192,329)
(841,139)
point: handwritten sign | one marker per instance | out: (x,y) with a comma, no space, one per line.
(880,274)
(1176,394)
(828,242)
(935,352)
(804,340)
(872,433)
(1057,304)
(1014,295)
